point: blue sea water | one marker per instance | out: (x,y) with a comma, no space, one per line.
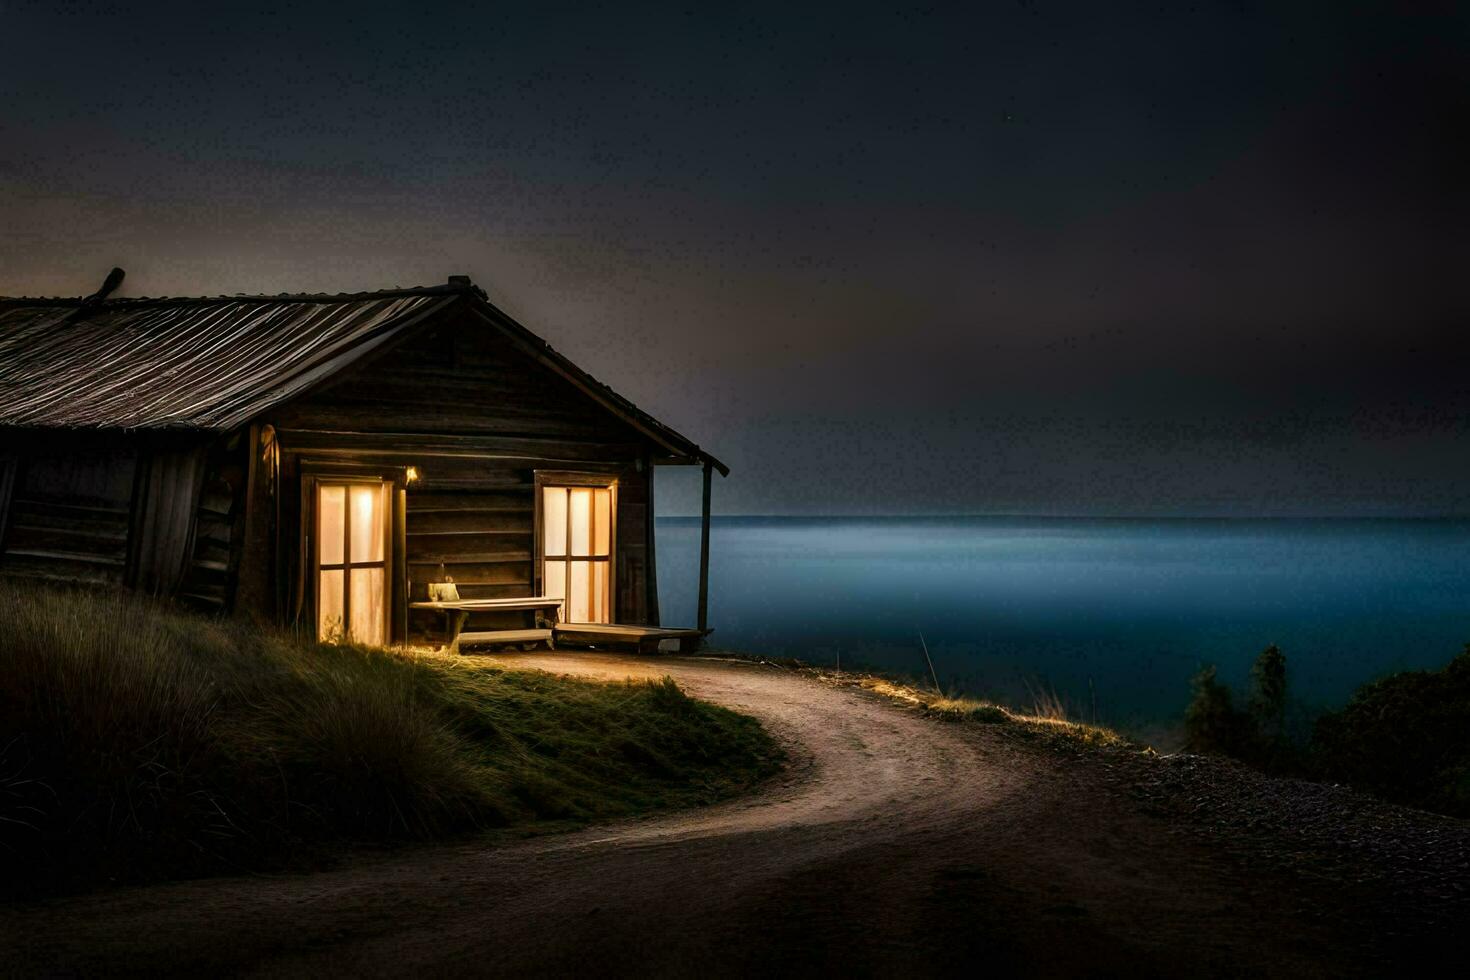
(1116,613)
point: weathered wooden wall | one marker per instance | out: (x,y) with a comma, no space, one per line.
(219,523)
(477,418)
(633,570)
(72,512)
(69,511)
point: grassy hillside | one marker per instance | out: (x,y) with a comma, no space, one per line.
(138,742)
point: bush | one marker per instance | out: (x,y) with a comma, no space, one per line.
(1405,738)
(137,741)
(1268,694)
(1258,735)
(1212,725)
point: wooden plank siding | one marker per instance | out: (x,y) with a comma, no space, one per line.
(632,575)
(209,581)
(476,418)
(69,513)
(72,515)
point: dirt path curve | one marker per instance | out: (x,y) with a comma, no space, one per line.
(894,844)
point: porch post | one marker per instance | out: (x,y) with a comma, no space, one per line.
(650,545)
(399,591)
(704,553)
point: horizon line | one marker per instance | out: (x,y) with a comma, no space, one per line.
(1076,517)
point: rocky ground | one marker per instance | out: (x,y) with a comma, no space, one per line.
(1403,873)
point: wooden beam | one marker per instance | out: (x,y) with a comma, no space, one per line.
(453,445)
(498,501)
(245,522)
(651,564)
(399,591)
(9,463)
(704,551)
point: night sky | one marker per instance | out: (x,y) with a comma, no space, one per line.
(1024,257)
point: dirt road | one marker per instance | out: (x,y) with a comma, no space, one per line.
(894,845)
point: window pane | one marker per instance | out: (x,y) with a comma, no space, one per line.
(581,504)
(367,605)
(554,581)
(331,504)
(329,604)
(554,584)
(602,522)
(554,521)
(367,524)
(600,598)
(578,606)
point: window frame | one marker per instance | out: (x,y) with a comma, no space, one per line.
(391,483)
(571,480)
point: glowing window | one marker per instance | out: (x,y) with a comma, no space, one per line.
(576,551)
(352,561)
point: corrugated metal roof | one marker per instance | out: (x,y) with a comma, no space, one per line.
(219,362)
(187,363)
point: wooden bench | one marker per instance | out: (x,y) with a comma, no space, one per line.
(614,636)
(521,638)
(445,598)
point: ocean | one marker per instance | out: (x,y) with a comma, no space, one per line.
(1112,615)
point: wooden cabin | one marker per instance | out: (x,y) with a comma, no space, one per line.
(393,466)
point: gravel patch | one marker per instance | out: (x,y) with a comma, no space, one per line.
(1408,870)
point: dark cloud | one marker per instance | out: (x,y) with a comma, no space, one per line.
(1032,257)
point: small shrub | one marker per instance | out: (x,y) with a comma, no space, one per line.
(1268,744)
(1257,735)
(1211,722)
(1268,694)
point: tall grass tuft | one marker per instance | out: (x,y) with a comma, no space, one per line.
(106,714)
(1046,704)
(138,741)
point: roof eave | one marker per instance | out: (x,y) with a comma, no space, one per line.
(678,446)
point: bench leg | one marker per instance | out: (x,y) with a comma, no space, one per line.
(454,623)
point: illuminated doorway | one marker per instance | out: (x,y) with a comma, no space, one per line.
(352,542)
(577,537)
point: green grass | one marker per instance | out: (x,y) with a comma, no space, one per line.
(139,742)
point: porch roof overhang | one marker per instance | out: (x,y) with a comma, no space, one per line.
(680,450)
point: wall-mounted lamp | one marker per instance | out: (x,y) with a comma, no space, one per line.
(411,474)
